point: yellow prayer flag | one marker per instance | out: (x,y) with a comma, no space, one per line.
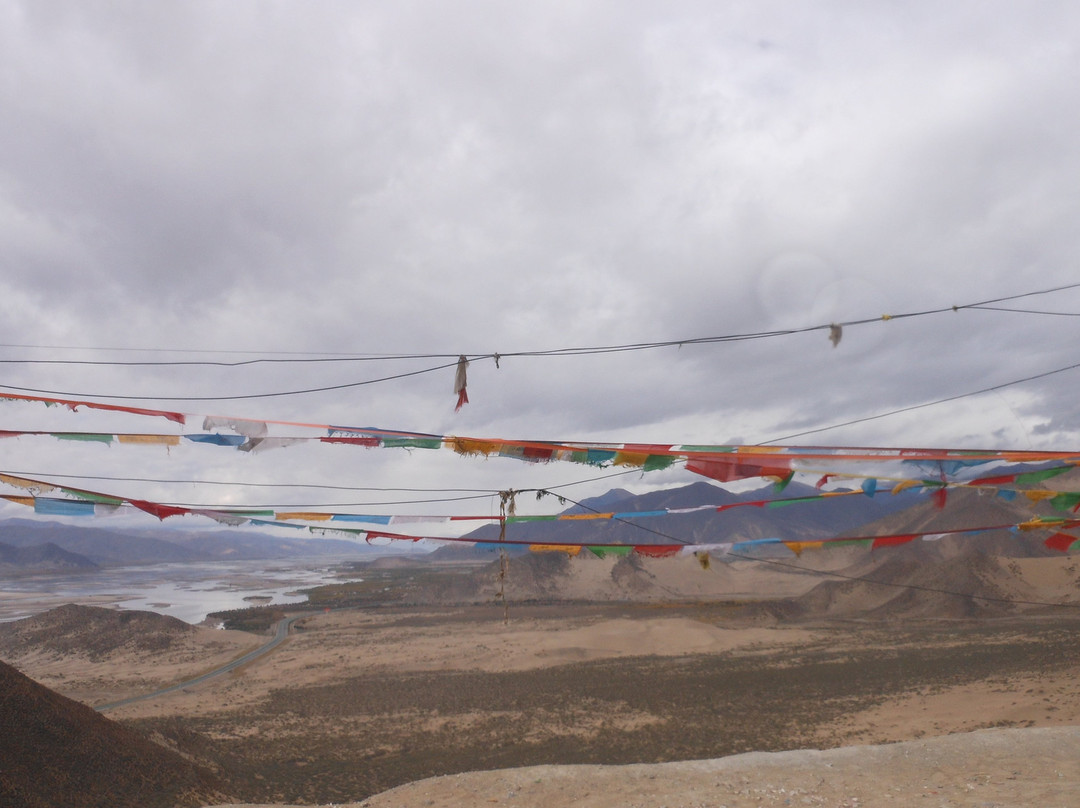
(158,440)
(797,547)
(1038,495)
(30,485)
(569,549)
(467,446)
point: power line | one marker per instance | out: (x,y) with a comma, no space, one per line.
(1028,311)
(241,484)
(326,356)
(921,406)
(558,352)
(306,505)
(278,394)
(467,493)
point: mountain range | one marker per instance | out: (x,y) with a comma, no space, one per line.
(806,521)
(28,545)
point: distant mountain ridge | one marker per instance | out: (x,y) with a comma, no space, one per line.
(124,546)
(42,557)
(804,521)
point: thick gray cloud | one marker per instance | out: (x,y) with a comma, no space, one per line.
(482,177)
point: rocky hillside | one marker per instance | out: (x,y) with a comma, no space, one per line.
(55,751)
(46,557)
(92,631)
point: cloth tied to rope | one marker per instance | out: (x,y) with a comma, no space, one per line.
(460,381)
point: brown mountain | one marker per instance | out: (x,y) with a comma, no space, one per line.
(969,584)
(41,558)
(812,519)
(92,631)
(55,751)
(956,575)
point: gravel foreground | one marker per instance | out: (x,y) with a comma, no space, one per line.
(988,769)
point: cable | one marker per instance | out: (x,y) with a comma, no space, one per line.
(480,493)
(1028,311)
(200,363)
(1023,294)
(285,506)
(40,474)
(583,351)
(302,357)
(231,398)
(920,406)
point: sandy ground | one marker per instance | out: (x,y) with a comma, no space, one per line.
(988,769)
(1036,767)
(332,647)
(949,767)
(946,765)
(928,746)
(103,680)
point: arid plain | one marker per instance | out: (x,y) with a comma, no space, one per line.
(364,702)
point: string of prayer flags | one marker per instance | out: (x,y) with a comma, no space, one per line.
(724,463)
(92,503)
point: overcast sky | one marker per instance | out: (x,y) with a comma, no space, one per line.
(226,180)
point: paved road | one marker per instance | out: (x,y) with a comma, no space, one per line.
(282,632)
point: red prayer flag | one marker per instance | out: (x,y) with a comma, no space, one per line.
(727,471)
(160,511)
(1061,542)
(657,550)
(892,541)
(351,441)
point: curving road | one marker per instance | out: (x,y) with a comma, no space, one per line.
(280,634)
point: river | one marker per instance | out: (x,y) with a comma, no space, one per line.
(186,591)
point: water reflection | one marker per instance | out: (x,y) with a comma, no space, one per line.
(185,591)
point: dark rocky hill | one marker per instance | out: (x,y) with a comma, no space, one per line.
(970,583)
(42,558)
(92,631)
(58,752)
